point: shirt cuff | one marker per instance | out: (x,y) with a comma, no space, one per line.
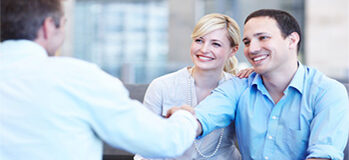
(203,126)
(188,116)
(325,151)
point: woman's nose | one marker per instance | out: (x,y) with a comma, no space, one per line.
(204,48)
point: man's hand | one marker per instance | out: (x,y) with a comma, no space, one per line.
(189,109)
(184,107)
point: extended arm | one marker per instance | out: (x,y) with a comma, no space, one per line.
(218,109)
(127,124)
(189,109)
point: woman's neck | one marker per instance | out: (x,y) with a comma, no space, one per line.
(206,80)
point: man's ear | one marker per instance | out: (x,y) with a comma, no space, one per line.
(45,32)
(48,27)
(293,40)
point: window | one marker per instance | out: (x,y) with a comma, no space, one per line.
(127,39)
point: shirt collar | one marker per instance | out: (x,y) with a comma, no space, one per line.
(257,79)
(296,82)
(258,82)
(21,48)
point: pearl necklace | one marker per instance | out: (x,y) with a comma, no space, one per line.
(189,102)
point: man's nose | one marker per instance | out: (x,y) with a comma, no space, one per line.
(254,47)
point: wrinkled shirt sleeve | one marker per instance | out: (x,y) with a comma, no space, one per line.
(218,109)
(330,126)
(127,124)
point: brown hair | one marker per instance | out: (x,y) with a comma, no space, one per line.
(21,19)
(286,22)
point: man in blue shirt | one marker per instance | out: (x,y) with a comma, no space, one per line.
(285,110)
(62,108)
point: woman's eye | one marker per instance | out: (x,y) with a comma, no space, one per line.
(217,44)
(198,40)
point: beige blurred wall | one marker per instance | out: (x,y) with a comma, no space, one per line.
(68,45)
(327,37)
(181,24)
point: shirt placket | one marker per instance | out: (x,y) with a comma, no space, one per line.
(271,133)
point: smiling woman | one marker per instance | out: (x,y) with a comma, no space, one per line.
(216,38)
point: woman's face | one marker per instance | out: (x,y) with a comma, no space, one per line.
(211,51)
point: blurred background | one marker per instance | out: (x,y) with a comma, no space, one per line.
(139,40)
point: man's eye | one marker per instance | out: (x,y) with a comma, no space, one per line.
(263,37)
(246,43)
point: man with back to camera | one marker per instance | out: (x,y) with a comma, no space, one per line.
(285,110)
(62,108)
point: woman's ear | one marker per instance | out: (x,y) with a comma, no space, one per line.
(233,50)
(293,40)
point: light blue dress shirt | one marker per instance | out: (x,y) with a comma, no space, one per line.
(311,119)
(62,108)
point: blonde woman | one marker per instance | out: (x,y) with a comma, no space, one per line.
(216,39)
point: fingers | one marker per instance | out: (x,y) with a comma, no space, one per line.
(188,108)
(171,111)
(175,109)
(245,73)
(240,74)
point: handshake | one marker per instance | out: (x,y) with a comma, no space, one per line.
(186,108)
(183,107)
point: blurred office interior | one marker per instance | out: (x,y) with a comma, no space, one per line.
(139,40)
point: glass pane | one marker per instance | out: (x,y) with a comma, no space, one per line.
(127,39)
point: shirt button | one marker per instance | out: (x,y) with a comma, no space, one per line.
(270,137)
(266,157)
(274,117)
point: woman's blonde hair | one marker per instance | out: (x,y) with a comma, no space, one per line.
(214,21)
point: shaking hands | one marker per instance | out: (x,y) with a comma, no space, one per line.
(186,108)
(183,107)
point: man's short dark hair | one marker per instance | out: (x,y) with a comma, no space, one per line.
(21,19)
(286,22)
